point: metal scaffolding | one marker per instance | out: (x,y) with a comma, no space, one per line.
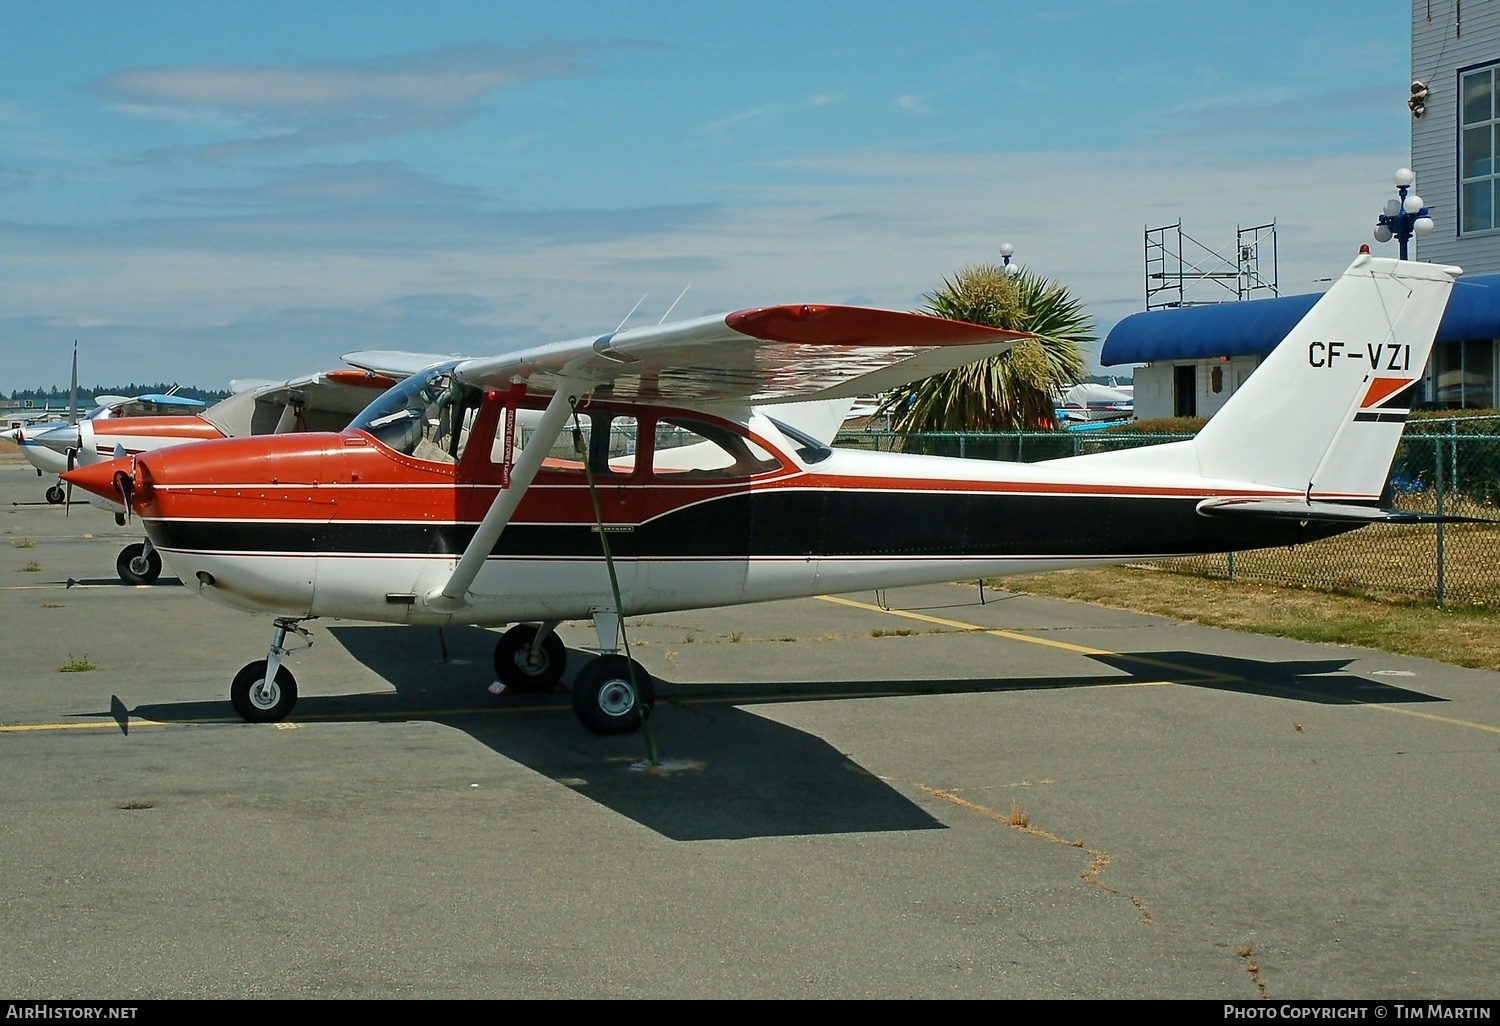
(1181,271)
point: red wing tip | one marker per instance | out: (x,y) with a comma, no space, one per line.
(827,324)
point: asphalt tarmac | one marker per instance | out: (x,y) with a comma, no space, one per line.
(945,797)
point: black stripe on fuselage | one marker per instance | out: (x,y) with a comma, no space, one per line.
(790,522)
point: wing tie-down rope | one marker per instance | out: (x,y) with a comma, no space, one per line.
(647,730)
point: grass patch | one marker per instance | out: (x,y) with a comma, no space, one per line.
(1464,636)
(904,632)
(30,568)
(75,665)
(23,543)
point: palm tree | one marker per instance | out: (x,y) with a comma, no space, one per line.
(1010,392)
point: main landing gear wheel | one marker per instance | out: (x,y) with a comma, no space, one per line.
(518,670)
(261,702)
(55,495)
(137,566)
(603,701)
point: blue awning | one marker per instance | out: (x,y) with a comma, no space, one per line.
(1254,327)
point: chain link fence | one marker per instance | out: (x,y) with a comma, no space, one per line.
(1442,466)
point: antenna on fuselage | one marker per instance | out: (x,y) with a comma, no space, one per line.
(633,309)
(674,304)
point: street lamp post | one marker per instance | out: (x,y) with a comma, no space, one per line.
(1403,217)
(1006,251)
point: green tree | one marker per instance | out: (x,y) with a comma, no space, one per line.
(1010,392)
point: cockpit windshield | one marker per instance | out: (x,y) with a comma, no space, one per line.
(427,416)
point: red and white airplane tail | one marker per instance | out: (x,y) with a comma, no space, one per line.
(1322,415)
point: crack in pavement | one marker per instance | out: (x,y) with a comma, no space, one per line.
(1019,820)
(1251,967)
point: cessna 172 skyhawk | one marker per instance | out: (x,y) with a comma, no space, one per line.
(665,443)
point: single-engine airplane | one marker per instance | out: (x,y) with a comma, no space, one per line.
(47,446)
(325,401)
(659,475)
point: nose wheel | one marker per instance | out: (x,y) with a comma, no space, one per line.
(55,495)
(138,564)
(265,691)
(259,700)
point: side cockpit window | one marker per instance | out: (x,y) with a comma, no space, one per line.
(607,440)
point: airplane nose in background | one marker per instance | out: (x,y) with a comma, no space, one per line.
(99,478)
(60,439)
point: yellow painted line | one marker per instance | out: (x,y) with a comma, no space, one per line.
(960,625)
(1196,672)
(1432,716)
(21,728)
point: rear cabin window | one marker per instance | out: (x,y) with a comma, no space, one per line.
(688,450)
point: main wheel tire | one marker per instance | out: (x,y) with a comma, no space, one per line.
(515,668)
(137,566)
(603,700)
(263,705)
(56,495)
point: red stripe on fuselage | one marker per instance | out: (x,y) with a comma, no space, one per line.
(185,428)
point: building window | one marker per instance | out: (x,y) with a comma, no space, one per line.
(1477,178)
(1463,375)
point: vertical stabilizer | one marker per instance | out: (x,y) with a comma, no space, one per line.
(1323,414)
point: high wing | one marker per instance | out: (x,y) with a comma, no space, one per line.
(769,355)
(395,363)
(751,357)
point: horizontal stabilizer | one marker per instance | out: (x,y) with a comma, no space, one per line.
(1324,512)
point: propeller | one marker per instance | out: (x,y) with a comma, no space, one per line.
(73,392)
(125,483)
(124,490)
(68,491)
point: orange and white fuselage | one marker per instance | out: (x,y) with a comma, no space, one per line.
(342,526)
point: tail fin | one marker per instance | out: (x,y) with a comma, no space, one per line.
(1323,413)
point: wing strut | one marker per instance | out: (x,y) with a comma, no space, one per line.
(454,595)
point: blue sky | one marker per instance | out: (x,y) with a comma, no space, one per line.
(198,192)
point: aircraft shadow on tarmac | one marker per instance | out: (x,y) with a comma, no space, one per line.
(727,773)
(1324,681)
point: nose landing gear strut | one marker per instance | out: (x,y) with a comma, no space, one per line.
(265,691)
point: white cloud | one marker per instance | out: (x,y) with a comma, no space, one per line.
(294,107)
(744,115)
(300,277)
